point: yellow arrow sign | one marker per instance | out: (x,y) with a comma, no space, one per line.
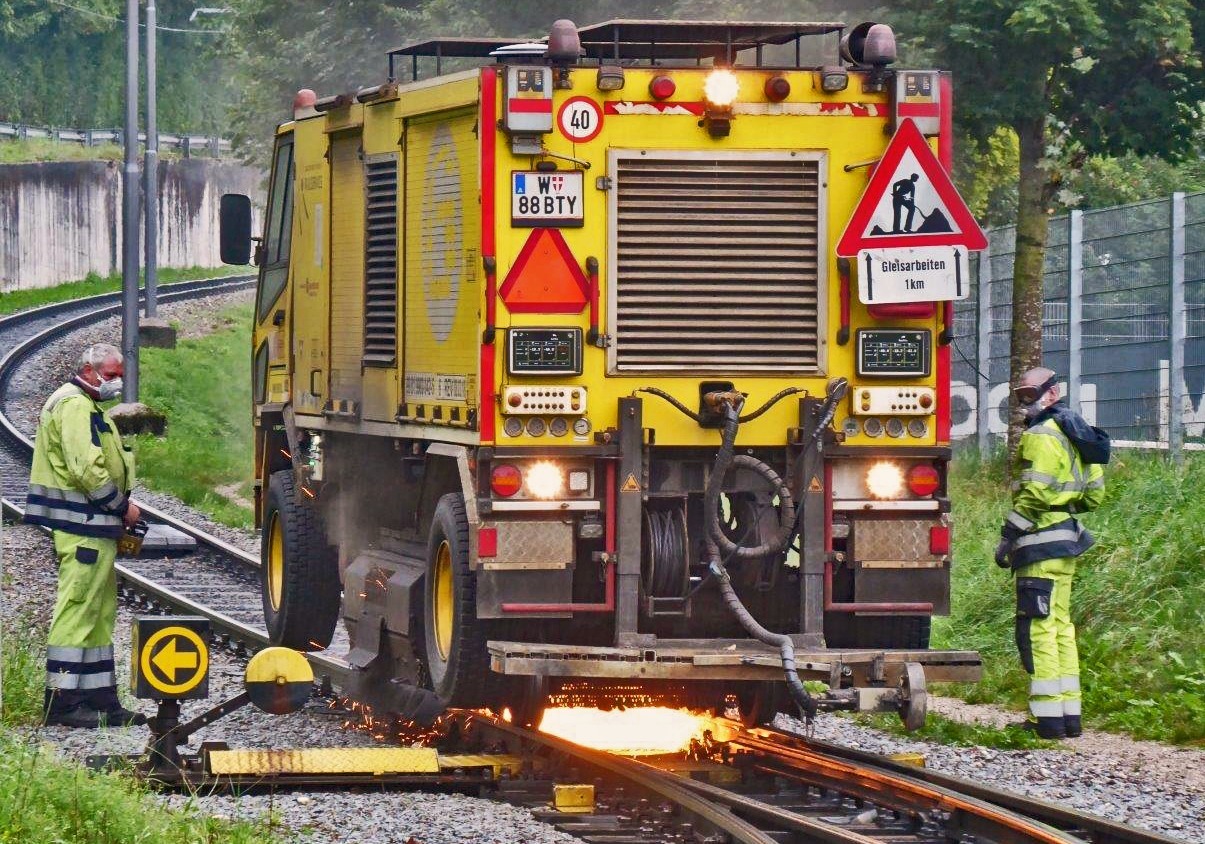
(162,666)
(170,661)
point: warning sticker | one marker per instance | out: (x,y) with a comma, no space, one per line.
(630,484)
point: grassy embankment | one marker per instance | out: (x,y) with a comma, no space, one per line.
(94,285)
(44,800)
(1139,599)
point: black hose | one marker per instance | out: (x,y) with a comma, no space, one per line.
(711,518)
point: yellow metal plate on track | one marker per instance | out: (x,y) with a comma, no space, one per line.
(498,761)
(326,760)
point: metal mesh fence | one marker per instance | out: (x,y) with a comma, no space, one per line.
(1109,289)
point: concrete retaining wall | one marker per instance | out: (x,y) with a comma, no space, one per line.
(60,221)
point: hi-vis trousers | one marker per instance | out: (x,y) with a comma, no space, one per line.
(79,647)
(1046,637)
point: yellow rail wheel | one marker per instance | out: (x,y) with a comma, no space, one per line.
(299,576)
(453,638)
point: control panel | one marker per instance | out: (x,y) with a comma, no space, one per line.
(544,351)
(893,352)
(543,399)
(892,401)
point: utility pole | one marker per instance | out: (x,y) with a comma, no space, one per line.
(150,168)
(129,197)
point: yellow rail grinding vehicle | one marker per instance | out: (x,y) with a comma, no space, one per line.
(614,361)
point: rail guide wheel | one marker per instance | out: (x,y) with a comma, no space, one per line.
(913,699)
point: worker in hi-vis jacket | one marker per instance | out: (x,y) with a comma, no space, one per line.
(1057,473)
(79,487)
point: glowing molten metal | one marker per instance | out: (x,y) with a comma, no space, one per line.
(636,731)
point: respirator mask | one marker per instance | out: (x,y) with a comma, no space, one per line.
(108,390)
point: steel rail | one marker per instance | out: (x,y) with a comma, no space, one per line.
(764,751)
(1099,830)
(98,308)
(646,778)
(102,307)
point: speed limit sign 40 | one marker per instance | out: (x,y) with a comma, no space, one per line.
(580,119)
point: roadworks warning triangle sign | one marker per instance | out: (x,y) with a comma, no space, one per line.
(545,278)
(910,201)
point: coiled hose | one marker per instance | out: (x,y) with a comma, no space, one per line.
(715,539)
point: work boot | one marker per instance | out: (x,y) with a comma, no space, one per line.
(1073,726)
(1046,728)
(121,717)
(80,717)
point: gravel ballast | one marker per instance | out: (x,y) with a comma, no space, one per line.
(1146,784)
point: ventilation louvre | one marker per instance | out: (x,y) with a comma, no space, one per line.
(380,262)
(716,264)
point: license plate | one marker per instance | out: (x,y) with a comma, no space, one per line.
(546,199)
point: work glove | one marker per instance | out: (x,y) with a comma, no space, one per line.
(1002,550)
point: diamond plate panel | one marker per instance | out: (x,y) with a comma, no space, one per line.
(326,760)
(902,540)
(548,544)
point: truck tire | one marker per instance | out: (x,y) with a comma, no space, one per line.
(453,637)
(299,574)
(893,632)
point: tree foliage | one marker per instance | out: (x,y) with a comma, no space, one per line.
(1071,79)
(63,64)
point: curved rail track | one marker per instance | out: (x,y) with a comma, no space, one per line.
(751,786)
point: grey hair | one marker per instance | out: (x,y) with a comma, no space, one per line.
(95,355)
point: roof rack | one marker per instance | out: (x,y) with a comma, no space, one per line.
(631,41)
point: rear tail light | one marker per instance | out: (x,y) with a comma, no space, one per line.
(505,480)
(923,480)
(939,539)
(662,87)
(777,89)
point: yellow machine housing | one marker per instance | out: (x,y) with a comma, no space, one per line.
(493,306)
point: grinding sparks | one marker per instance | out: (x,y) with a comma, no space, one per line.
(637,731)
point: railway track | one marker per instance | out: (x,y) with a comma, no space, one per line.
(749,786)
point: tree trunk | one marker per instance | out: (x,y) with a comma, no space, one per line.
(1033,226)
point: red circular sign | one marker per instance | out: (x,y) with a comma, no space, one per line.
(580,119)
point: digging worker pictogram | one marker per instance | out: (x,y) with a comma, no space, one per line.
(1057,473)
(79,487)
(903,197)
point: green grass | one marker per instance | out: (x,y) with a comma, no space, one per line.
(203,387)
(42,149)
(19,300)
(45,800)
(22,661)
(943,730)
(1138,601)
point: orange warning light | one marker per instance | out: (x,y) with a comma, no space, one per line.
(545,278)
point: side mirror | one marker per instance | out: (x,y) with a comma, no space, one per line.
(234,217)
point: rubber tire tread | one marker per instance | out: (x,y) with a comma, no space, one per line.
(895,632)
(311,594)
(463,680)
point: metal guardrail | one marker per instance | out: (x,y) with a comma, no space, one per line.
(187,145)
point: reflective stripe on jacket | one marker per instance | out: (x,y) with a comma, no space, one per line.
(1052,483)
(81,476)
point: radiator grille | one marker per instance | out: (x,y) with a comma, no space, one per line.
(380,262)
(716,264)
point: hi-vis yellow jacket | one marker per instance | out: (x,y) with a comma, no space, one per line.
(82,475)
(1051,483)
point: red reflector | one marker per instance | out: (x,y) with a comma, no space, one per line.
(487,542)
(777,89)
(923,479)
(505,480)
(662,87)
(939,539)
